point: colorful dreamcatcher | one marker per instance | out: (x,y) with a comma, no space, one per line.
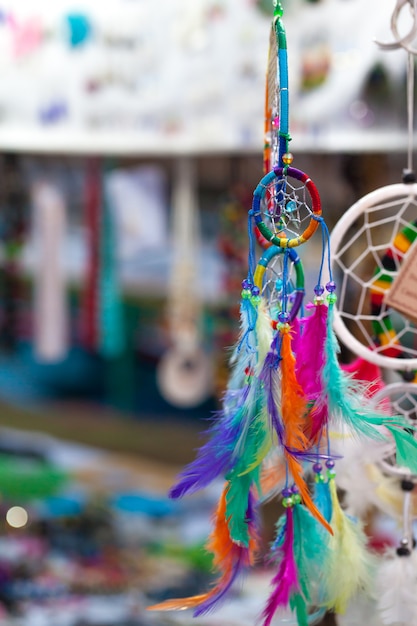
(286,401)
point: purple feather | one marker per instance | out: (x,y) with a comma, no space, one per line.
(214,600)
(268,374)
(286,580)
(215,457)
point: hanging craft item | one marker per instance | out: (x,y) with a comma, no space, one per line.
(51,332)
(286,395)
(185,375)
(373,251)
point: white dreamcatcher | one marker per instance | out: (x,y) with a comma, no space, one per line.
(373,247)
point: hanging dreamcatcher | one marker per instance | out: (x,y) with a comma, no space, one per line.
(287,397)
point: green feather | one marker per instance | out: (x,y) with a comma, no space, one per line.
(406,448)
(237,497)
(310,550)
(299,606)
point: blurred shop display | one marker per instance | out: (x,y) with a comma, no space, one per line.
(183,77)
(185,372)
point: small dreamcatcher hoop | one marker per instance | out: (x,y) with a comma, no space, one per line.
(296,203)
(273,279)
(367,248)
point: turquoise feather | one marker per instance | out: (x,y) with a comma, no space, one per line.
(323,500)
(237,498)
(299,606)
(346,398)
(310,551)
(406,448)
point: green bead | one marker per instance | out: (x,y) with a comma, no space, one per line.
(319,478)
(246,294)
(278,10)
(287,502)
(331,474)
(296,498)
(331,298)
(255,300)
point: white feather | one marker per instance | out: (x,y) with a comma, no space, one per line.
(396,590)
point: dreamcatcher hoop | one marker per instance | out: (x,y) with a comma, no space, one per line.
(265,263)
(381,200)
(305,197)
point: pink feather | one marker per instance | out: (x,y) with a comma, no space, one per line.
(286,580)
(310,362)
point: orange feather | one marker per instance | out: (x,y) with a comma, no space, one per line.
(293,401)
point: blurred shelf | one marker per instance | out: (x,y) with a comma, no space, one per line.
(112,143)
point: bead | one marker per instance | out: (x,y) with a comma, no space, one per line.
(255,300)
(275,122)
(287,158)
(296,498)
(317,468)
(274,324)
(283,328)
(278,10)
(401,551)
(331,474)
(407,485)
(319,290)
(331,298)
(255,291)
(330,464)
(286,492)
(283,317)
(287,502)
(331,286)
(246,283)
(246,294)
(319,478)
(294,489)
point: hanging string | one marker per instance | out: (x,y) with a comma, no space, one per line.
(410,109)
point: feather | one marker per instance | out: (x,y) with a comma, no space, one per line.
(311,351)
(293,401)
(285,582)
(237,500)
(346,398)
(296,472)
(406,448)
(216,457)
(229,558)
(310,551)
(395,586)
(348,568)
(323,500)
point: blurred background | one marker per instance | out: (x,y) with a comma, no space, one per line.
(131,137)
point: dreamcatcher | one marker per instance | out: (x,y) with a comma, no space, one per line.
(373,249)
(285,395)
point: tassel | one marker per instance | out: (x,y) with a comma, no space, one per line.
(228,557)
(285,582)
(395,586)
(349,566)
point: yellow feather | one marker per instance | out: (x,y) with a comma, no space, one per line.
(349,568)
